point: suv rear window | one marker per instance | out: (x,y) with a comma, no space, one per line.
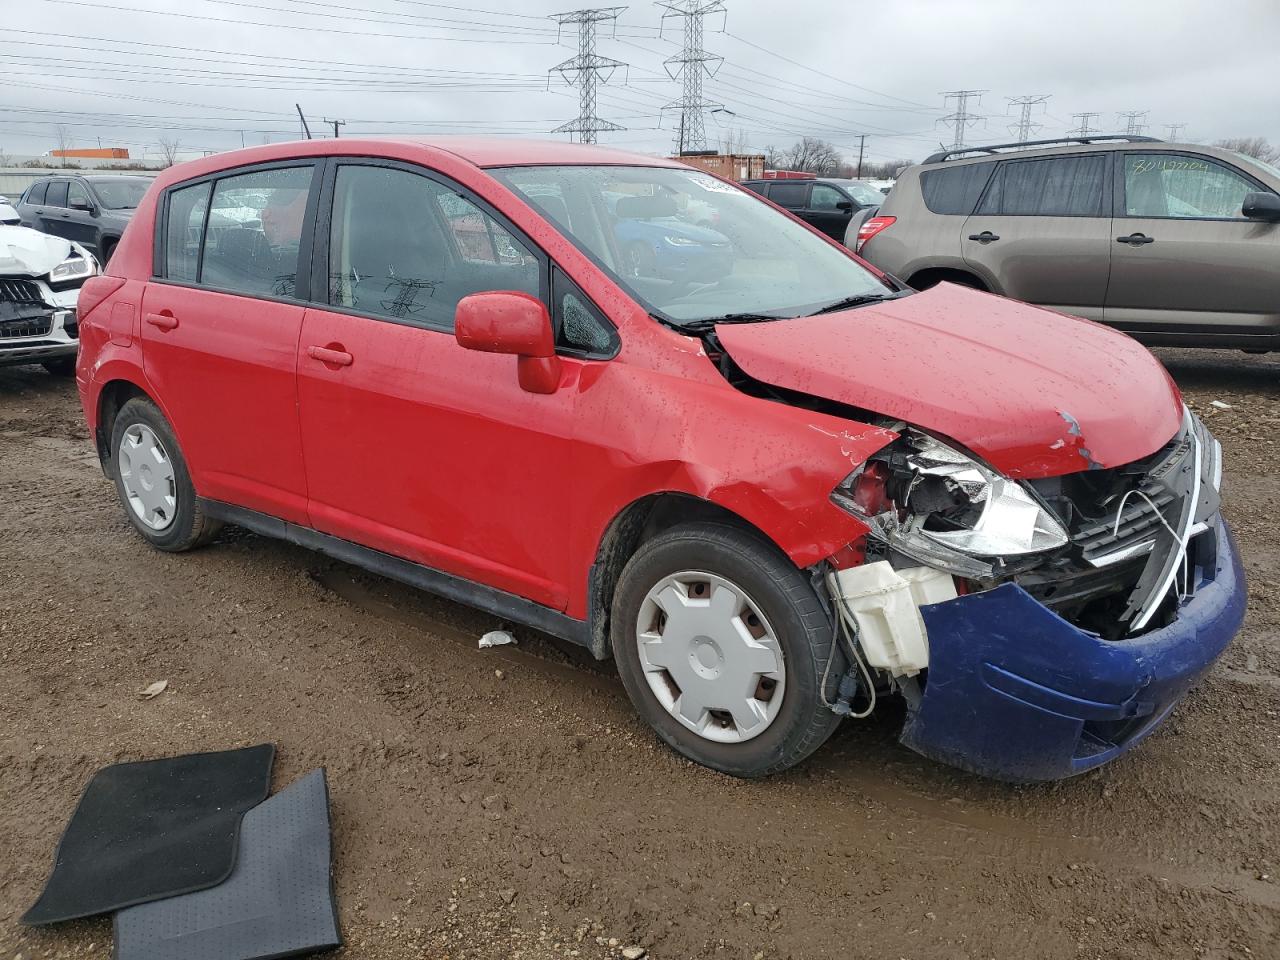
(789,195)
(36,194)
(955,190)
(1054,187)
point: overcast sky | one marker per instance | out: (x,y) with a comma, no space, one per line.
(133,72)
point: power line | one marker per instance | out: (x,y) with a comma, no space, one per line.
(1135,121)
(1084,124)
(587,69)
(1024,127)
(690,64)
(1175,130)
(961,120)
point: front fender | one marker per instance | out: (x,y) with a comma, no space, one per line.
(641,432)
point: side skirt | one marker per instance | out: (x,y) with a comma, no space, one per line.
(508,606)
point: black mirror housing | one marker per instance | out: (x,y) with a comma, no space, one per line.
(1262,206)
(844,205)
(80,205)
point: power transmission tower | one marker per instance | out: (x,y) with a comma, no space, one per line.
(1086,126)
(1024,126)
(1135,122)
(1175,130)
(689,66)
(587,69)
(962,119)
(336,125)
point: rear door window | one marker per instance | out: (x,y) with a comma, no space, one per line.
(404,247)
(1184,187)
(793,196)
(254,231)
(185,227)
(1053,187)
(57,195)
(955,190)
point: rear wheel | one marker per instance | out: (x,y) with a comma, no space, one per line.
(721,644)
(152,480)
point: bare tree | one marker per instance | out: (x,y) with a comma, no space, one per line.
(62,137)
(774,159)
(813,156)
(1252,146)
(169,150)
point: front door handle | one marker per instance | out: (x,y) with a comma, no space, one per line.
(338,358)
(1136,239)
(162,321)
(986,236)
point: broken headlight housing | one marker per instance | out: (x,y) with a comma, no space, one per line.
(943,508)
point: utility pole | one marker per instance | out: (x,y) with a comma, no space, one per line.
(587,69)
(305,129)
(336,125)
(961,120)
(1024,126)
(1175,130)
(1135,122)
(689,66)
(1085,127)
(862,146)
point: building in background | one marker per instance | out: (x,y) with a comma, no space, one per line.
(93,153)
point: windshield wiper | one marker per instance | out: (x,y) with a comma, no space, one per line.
(857,301)
(708,323)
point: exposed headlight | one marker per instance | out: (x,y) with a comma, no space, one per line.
(677,241)
(75,267)
(940,506)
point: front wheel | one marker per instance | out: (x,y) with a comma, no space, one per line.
(721,644)
(152,480)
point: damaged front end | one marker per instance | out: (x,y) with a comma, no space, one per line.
(1036,628)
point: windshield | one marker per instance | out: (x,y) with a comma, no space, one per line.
(123,194)
(690,247)
(1259,163)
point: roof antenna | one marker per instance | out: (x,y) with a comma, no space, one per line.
(305,128)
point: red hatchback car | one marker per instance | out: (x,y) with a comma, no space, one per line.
(774,484)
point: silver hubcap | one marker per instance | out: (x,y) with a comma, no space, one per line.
(147,474)
(710,656)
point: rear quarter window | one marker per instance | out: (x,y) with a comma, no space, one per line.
(955,190)
(35,195)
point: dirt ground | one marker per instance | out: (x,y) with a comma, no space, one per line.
(508,804)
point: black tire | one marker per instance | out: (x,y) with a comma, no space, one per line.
(61,367)
(190,527)
(788,601)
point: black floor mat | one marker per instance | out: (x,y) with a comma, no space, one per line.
(278,901)
(143,831)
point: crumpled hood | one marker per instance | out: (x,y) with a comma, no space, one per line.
(1033,392)
(30,253)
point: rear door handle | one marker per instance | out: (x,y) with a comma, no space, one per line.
(986,236)
(339,358)
(1136,239)
(162,321)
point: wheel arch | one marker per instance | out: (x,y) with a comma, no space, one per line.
(638,521)
(113,395)
(931,276)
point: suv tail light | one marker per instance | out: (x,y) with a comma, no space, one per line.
(873,226)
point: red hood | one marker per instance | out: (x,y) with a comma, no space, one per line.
(1034,393)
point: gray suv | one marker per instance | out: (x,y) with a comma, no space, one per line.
(1176,244)
(90,210)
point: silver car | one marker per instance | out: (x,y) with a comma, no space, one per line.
(1176,244)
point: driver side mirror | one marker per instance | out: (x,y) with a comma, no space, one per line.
(79,204)
(1262,206)
(844,206)
(508,321)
